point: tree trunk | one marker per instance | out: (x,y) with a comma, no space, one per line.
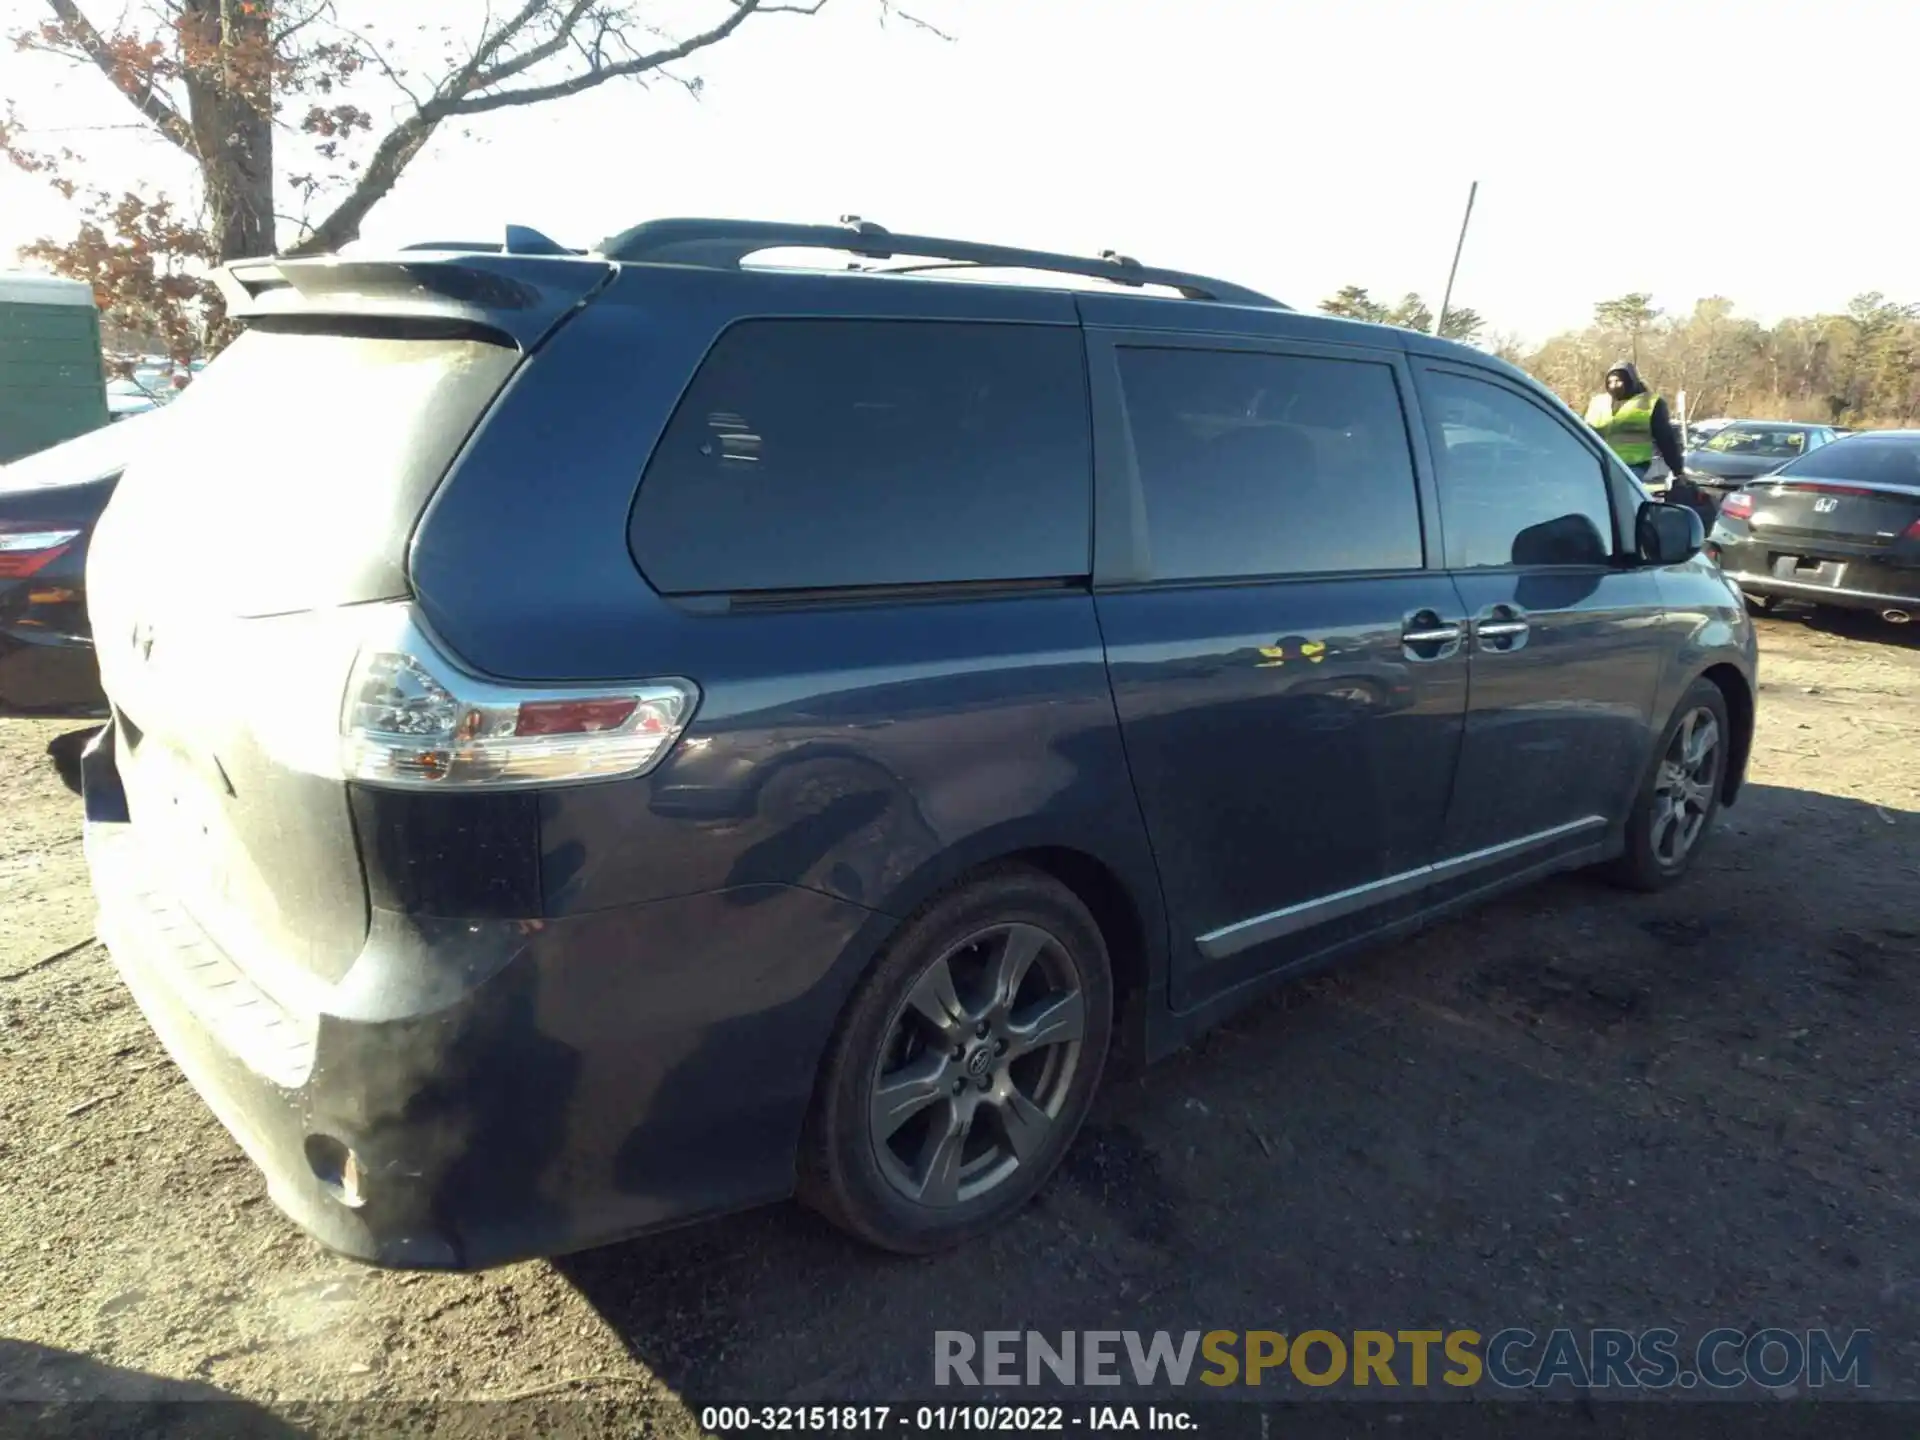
(229,98)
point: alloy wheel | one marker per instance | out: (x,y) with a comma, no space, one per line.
(1684,792)
(977,1065)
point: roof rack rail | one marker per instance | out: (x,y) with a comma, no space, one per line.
(723,244)
(483,247)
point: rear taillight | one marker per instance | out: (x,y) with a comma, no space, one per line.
(1737,506)
(1913,531)
(27,552)
(412,719)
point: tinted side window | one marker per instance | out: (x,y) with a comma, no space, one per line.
(1516,488)
(1255,464)
(814,454)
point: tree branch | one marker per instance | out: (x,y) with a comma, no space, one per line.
(391,156)
(490,45)
(637,65)
(285,33)
(466,92)
(887,7)
(139,92)
(372,53)
(545,50)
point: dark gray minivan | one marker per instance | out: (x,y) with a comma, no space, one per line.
(644,734)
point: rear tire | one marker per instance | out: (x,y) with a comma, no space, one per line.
(1679,801)
(962,1067)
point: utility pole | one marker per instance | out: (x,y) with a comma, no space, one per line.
(1459,245)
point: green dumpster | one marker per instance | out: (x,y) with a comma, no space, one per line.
(52,385)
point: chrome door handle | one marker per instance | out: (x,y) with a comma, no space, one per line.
(1427,635)
(1501,628)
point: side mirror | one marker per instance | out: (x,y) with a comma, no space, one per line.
(1668,534)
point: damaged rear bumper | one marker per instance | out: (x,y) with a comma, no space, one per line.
(473,1092)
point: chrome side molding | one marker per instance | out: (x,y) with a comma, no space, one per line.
(1242,934)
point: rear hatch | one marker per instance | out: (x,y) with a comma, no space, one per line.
(224,577)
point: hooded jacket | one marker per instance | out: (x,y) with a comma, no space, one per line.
(1666,439)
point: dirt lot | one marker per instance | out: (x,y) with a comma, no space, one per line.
(1577,1108)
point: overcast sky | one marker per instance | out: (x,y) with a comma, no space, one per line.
(1688,147)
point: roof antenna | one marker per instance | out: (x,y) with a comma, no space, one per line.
(1446,297)
(524,240)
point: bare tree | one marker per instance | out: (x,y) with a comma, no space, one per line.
(1860,368)
(326,105)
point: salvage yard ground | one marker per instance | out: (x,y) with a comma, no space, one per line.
(1577,1107)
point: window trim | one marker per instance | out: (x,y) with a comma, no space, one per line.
(1121,547)
(1604,460)
(724,601)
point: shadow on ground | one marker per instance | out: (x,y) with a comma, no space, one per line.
(50,1392)
(1574,1107)
(1864,626)
(64,751)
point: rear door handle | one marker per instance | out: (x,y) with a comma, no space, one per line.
(1501,628)
(1427,636)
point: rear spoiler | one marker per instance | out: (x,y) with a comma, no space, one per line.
(520,296)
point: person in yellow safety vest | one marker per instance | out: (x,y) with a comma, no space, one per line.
(1634,422)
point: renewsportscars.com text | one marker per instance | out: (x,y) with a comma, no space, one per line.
(1513,1358)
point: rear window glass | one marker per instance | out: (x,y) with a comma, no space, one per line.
(291,472)
(1881,461)
(829,454)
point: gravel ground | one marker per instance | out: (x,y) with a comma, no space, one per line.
(1576,1107)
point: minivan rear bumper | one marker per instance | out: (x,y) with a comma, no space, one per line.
(505,1088)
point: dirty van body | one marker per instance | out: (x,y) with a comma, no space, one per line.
(677,735)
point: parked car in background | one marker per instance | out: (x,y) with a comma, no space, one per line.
(147,383)
(1838,527)
(1698,432)
(51,383)
(49,504)
(1746,448)
(915,689)
(128,396)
